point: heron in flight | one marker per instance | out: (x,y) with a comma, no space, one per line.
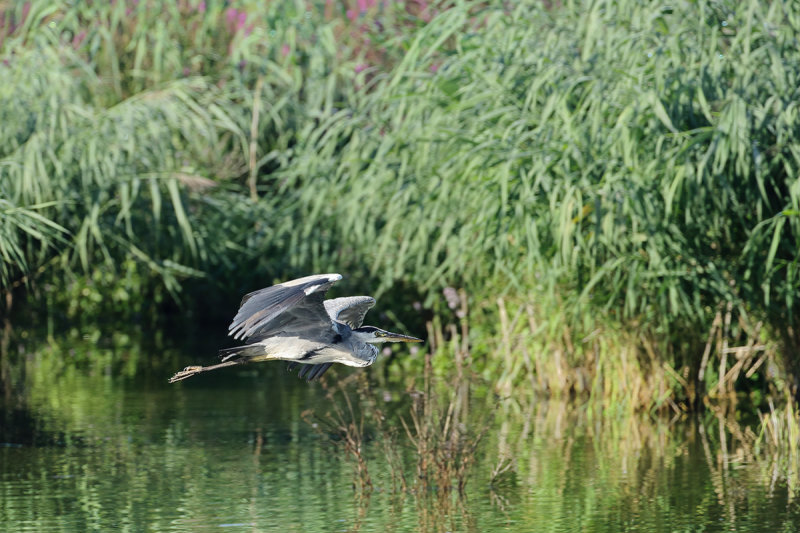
(293,322)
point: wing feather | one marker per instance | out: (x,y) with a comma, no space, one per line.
(299,300)
(350,309)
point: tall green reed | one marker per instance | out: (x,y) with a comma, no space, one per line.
(129,132)
(636,168)
(612,164)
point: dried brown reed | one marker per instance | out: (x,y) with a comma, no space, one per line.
(346,427)
(438,426)
(626,368)
(779,441)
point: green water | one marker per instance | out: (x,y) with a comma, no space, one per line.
(115,448)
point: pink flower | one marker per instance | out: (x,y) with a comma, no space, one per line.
(78,39)
(434,67)
(351,14)
(361,67)
(424,12)
(285,50)
(242,20)
(230,16)
(201,7)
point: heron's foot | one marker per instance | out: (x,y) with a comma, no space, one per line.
(187,372)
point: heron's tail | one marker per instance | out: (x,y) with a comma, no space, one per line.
(241,354)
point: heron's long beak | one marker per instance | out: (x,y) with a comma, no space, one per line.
(397,337)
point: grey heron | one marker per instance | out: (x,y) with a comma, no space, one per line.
(293,322)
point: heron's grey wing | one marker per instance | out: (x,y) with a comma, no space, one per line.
(265,310)
(311,371)
(318,370)
(349,310)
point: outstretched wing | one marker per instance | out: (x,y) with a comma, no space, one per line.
(297,304)
(349,310)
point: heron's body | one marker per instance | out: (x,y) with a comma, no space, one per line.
(293,322)
(343,349)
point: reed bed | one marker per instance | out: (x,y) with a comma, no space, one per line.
(624,167)
(613,184)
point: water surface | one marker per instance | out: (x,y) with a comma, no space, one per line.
(114,447)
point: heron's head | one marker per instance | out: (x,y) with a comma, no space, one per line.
(375,335)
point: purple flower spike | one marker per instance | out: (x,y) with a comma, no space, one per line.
(361,67)
(78,39)
(230,16)
(201,7)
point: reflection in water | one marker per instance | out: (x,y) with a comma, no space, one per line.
(107,444)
